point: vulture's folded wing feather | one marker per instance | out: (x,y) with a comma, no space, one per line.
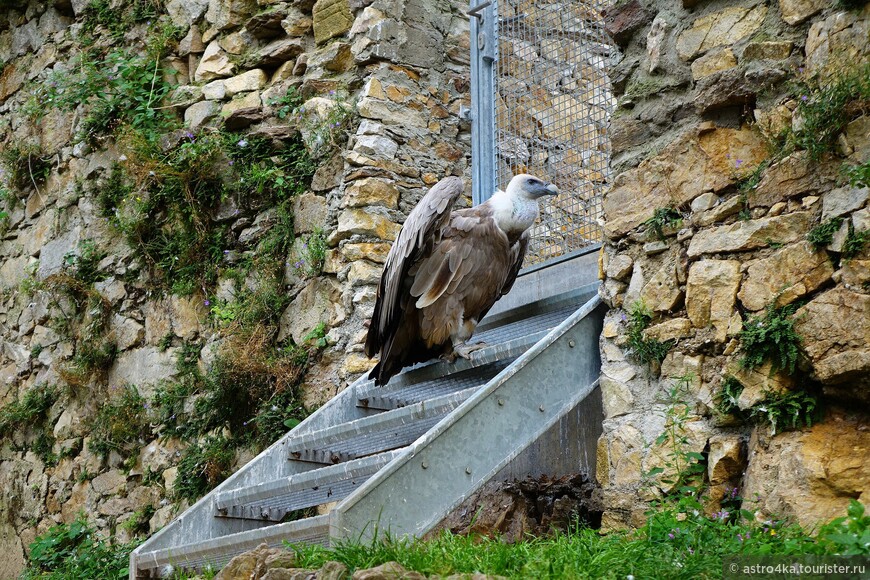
(420,233)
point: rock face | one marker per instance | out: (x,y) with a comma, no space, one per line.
(809,475)
(835,327)
(747,240)
(710,294)
(785,276)
(751,235)
(239,68)
(690,166)
(720,28)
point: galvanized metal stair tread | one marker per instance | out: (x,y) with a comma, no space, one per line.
(218,551)
(506,341)
(301,490)
(369,435)
(387,399)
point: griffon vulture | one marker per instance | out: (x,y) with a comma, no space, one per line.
(446,270)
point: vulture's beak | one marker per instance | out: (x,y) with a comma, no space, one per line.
(552,189)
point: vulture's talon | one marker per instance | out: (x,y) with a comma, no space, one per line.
(464,350)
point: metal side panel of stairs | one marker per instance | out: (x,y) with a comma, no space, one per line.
(399,458)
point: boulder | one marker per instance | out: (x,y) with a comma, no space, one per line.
(662,293)
(768,50)
(224,14)
(720,28)
(318,302)
(796,11)
(310,212)
(752,234)
(793,176)
(835,331)
(843,200)
(371,191)
(214,64)
(143,367)
(331,18)
(694,163)
(368,223)
(759,382)
(713,62)
(836,40)
(623,19)
(252,564)
(810,475)
(711,291)
(785,276)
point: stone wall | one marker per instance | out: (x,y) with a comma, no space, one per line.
(403,67)
(708,132)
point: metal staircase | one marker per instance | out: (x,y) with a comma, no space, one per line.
(399,458)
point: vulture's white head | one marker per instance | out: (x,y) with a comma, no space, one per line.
(516,208)
(529,187)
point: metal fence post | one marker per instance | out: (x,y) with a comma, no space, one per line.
(484,55)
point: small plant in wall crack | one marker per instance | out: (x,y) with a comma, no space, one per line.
(823,234)
(729,394)
(683,469)
(664,217)
(780,411)
(855,242)
(788,410)
(771,336)
(311,257)
(644,350)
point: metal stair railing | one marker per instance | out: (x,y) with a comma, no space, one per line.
(415,491)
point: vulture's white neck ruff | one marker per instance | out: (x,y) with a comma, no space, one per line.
(513,212)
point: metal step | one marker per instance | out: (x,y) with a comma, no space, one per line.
(273,500)
(514,333)
(217,552)
(388,399)
(382,432)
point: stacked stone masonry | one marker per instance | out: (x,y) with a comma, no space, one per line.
(704,88)
(404,67)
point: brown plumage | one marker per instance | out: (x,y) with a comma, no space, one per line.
(446,270)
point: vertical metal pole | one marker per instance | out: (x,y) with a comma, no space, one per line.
(484,56)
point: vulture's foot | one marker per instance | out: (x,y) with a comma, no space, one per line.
(464,350)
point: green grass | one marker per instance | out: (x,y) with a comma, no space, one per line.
(29,410)
(121,423)
(673,544)
(74,550)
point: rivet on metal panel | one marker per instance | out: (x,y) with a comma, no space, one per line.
(425,465)
(541,408)
(468,470)
(501,402)
(571,344)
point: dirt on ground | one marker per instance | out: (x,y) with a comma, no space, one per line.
(535,505)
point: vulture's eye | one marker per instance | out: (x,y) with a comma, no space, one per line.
(530,181)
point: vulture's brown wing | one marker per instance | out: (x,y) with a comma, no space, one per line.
(421,231)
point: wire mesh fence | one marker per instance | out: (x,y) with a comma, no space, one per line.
(552,102)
